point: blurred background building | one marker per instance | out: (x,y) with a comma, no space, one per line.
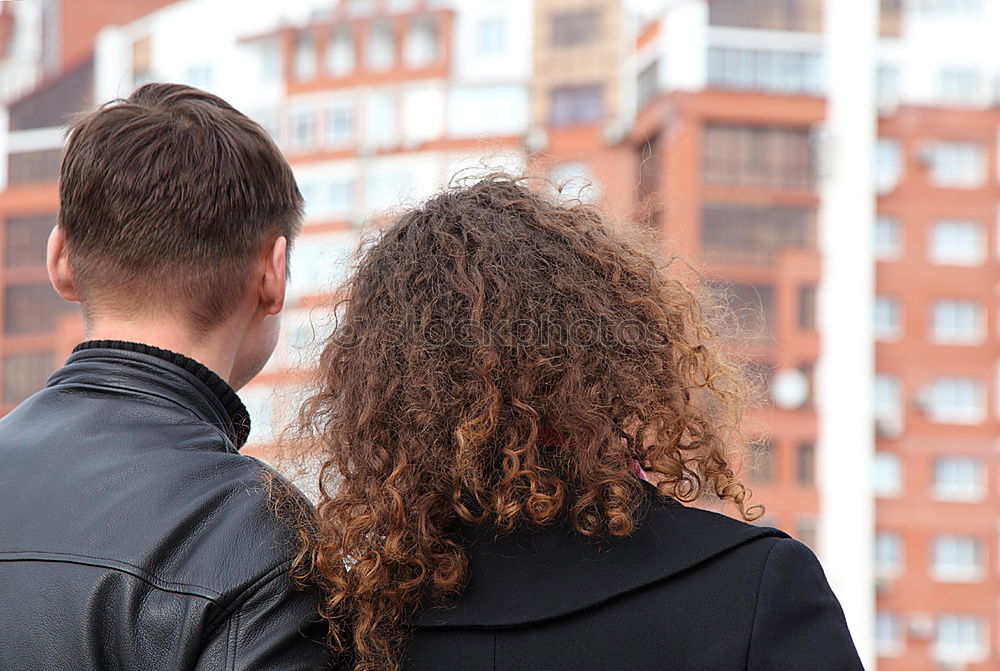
(833,166)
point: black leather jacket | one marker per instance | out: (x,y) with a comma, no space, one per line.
(133,535)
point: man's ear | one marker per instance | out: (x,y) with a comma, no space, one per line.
(275,278)
(57,263)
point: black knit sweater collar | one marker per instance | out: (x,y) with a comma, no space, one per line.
(238,415)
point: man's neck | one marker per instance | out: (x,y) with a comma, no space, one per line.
(217,351)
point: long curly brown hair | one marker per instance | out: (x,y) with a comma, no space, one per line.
(503,358)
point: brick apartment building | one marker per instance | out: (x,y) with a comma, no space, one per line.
(724,129)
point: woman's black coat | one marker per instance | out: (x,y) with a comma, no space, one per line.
(690,590)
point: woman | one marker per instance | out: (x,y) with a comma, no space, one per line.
(506,379)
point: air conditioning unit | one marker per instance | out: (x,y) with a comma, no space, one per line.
(536,140)
(882,586)
(888,428)
(615,131)
(888,107)
(920,626)
(923,400)
(926,154)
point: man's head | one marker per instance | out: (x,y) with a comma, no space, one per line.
(175,206)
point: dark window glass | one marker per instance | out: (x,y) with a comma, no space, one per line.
(770,157)
(762,462)
(24,374)
(33,166)
(53,104)
(25,240)
(748,234)
(891,24)
(577,105)
(576,27)
(799,15)
(751,307)
(32,308)
(788,72)
(806,469)
(807,307)
(647,84)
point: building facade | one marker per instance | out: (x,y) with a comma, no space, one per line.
(840,192)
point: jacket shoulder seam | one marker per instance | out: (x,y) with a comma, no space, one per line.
(234,603)
(756,602)
(186,589)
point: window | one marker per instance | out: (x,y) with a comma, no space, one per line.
(24,374)
(956,242)
(340,124)
(305,56)
(386,188)
(381,123)
(270,62)
(321,263)
(32,308)
(957,400)
(26,238)
(303,128)
(806,465)
(775,157)
(959,479)
(888,238)
(888,634)
(761,455)
(200,76)
(887,83)
(421,43)
(261,403)
(958,558)
(574,181)
(52,105)
(572,105)
(805,531)
(493,110)
(957,322)
(356,8)
(799,15)
(891,23)
(887,475)
(960,639)
(787,72)
(33,166)
(952,7)
(647,84)
(888,164)
(960,86)
(887,318)
(752,305)
(576,27)
(887,397)
(327,197)
(492,36)
(340,55)
(381,46)
(956,165)
(888,553)
(748,234)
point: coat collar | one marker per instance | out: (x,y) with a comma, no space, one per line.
(145,370)
(530,577)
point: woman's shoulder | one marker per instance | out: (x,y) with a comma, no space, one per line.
(524,578)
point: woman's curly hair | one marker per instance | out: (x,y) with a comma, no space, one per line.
(500,358)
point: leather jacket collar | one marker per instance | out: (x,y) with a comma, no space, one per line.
(144,370)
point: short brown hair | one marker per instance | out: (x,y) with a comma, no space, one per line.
(166,196)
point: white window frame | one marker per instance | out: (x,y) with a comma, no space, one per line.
(952,546)
(963,490)
(957,242)
(948,317)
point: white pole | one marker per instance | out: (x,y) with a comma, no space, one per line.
(846,296)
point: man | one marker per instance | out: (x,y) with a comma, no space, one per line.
(133,534)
